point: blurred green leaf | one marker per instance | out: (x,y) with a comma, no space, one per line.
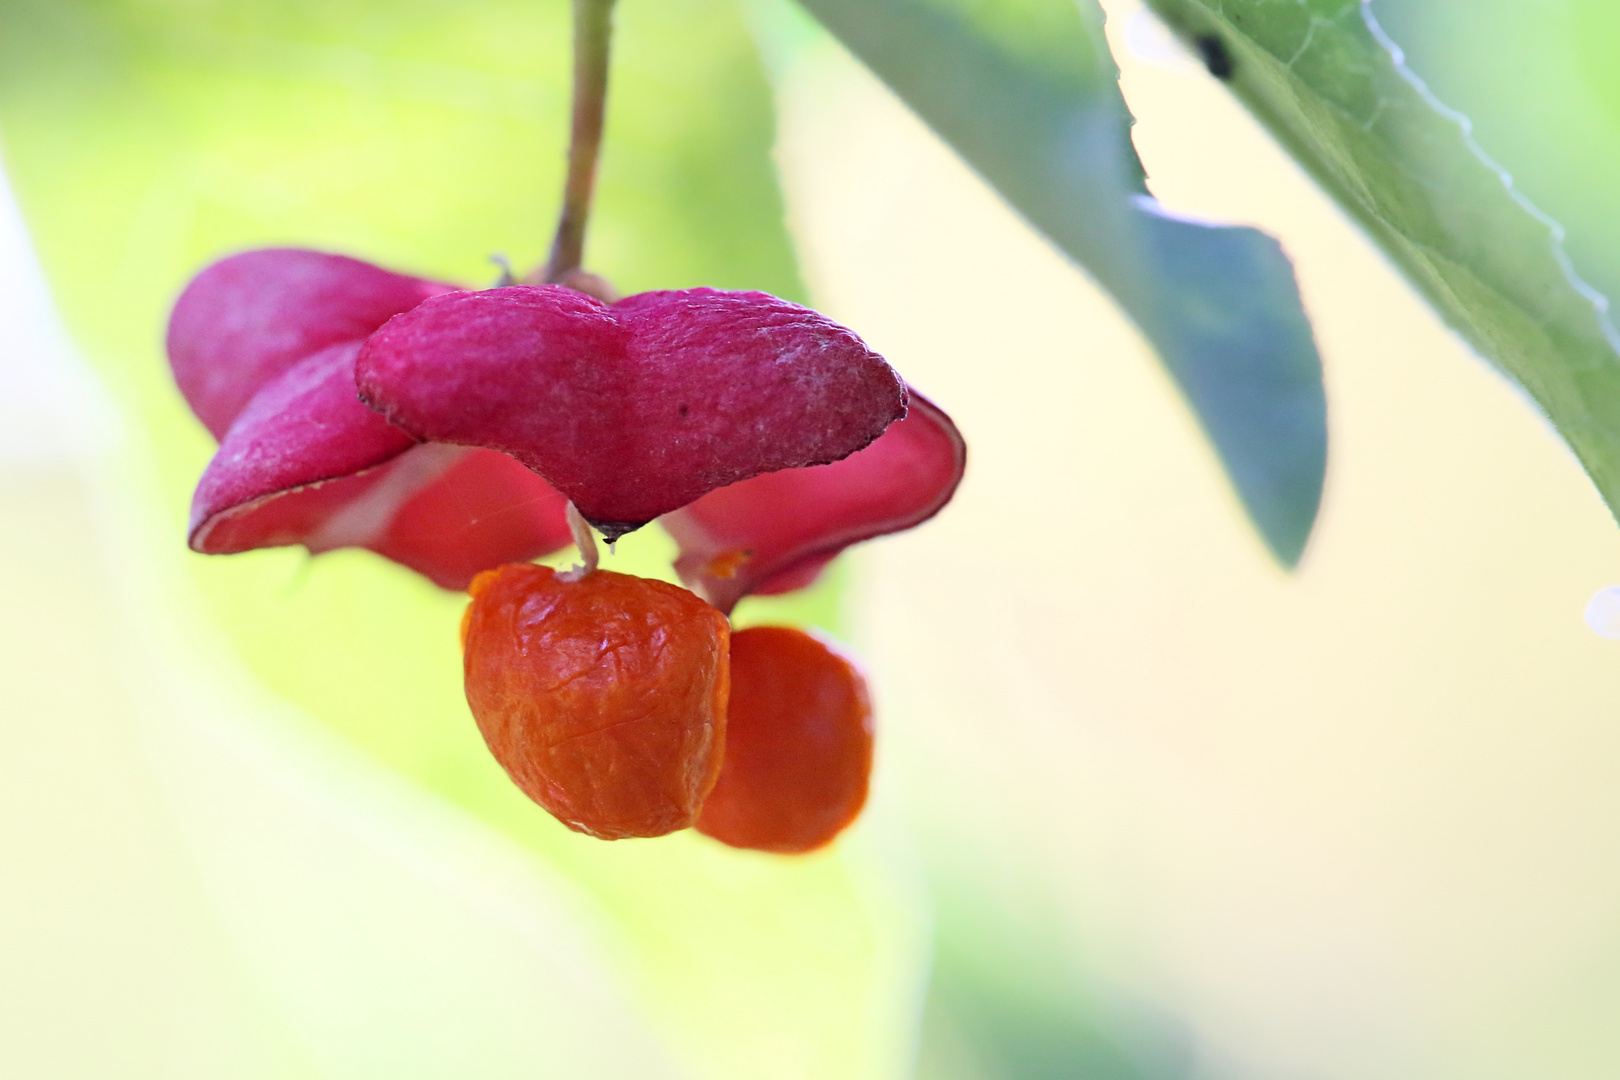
(1540,87)
(148,137)
(1011,1000)
(1026,91)
(1332,86)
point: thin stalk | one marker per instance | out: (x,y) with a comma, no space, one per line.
(593,28)
(585,541)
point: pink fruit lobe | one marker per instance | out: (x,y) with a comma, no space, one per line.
(775,532)
(635,409)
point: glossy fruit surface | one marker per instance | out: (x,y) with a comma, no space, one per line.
(798,744)
(604,698)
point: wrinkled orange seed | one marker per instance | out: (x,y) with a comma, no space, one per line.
(604,699)
(798,744)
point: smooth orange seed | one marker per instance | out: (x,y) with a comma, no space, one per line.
(604,698)
(798,744)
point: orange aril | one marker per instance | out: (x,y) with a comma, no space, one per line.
(726,564)
(798,744)
(603,698)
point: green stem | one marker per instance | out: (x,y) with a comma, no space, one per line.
(593,28)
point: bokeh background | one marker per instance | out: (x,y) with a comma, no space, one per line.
(1147,806)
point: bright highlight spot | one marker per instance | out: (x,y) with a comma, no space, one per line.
(1603,613)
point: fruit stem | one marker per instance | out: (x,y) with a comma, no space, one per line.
(585,540)
(593,29)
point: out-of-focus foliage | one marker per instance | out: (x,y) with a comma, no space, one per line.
(146,138)
(1007,999)
(1540,86)
(1333,86)
(1028,94)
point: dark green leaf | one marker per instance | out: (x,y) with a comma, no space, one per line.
(1027,93)
(1330,83)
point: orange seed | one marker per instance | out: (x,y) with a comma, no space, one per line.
(604,699)
(798,744)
